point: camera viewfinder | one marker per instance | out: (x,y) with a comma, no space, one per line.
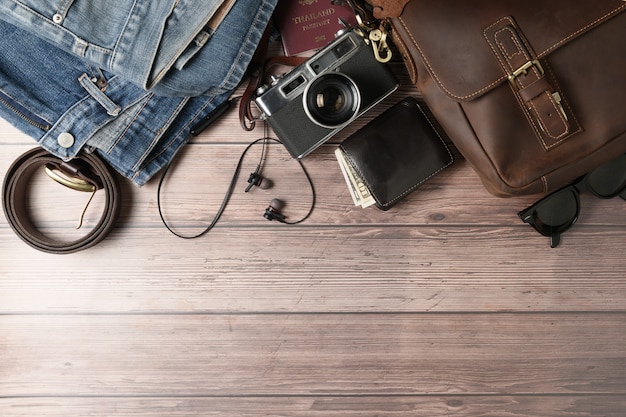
(330,58)
(292,85)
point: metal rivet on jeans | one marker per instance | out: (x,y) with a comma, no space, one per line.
(57,18)
(65,140)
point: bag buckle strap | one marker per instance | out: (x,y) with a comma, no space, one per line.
(532,83)
(523,70)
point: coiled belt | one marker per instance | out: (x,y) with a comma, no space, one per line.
(86,173)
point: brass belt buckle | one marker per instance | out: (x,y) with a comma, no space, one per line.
(66,175)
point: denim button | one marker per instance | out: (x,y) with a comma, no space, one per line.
(57,18)
(65,140)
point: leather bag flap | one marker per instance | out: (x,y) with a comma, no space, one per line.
(452,37)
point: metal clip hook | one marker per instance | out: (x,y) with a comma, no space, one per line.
(379,44)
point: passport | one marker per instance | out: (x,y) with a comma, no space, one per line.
(307,25)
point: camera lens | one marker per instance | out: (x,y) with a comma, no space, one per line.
(332,100)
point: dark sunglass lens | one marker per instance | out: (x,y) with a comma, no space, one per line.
(609,179)
(556,213)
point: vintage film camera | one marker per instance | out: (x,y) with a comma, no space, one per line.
(315,100)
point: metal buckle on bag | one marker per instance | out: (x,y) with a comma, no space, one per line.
(523,70)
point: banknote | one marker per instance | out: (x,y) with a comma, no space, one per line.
(361,195)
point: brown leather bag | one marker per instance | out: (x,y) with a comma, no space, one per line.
(532,93)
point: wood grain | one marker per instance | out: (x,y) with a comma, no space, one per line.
(308,269)
(313,354)
(323,406)
(445,305)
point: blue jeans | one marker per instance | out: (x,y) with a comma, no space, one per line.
(70,103)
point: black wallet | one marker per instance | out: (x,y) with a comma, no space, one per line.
(397,152)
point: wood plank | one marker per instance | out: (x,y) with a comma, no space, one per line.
(446,305)
(196,188)
(280,268)
(313,354)
(313,406)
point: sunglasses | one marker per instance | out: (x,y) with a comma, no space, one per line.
(557,212)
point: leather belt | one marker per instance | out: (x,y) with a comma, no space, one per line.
(86,171)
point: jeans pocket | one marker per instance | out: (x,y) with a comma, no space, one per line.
(98,22)
(15,109)
(193,48)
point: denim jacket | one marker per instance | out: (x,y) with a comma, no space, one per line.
(126,79)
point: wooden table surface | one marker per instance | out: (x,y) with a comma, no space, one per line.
(446,305)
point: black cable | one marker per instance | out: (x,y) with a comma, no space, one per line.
(230,190)
(256,175)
